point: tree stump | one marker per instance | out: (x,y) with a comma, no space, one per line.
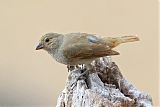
(103,87)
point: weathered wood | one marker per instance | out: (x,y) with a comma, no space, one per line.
(103,87)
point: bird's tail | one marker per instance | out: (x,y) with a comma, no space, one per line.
(113,42)
(125,39)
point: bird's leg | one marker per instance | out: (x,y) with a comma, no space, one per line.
(82,66)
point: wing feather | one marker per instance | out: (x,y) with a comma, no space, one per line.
(86,46)
(85,51)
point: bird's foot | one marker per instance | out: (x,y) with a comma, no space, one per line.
(72,67)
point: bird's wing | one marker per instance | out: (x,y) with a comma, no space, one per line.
(87,46)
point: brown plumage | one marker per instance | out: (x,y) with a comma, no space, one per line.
(80,48)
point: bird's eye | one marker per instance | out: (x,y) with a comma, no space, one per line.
(46,40)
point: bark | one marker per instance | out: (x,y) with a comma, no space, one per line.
(104,86)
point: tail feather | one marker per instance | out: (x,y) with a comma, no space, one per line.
(125,39)
(113,42)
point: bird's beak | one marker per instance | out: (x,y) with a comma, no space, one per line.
(40,46)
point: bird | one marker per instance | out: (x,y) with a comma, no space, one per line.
(74,49)
(80,48)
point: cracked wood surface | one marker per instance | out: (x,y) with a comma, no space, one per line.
(104,86)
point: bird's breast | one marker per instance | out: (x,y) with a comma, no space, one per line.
(58,56)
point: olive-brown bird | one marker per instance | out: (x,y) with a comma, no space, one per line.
(80,48)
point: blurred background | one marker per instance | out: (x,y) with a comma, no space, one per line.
(32,78)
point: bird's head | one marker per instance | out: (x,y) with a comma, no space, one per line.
(49,42)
